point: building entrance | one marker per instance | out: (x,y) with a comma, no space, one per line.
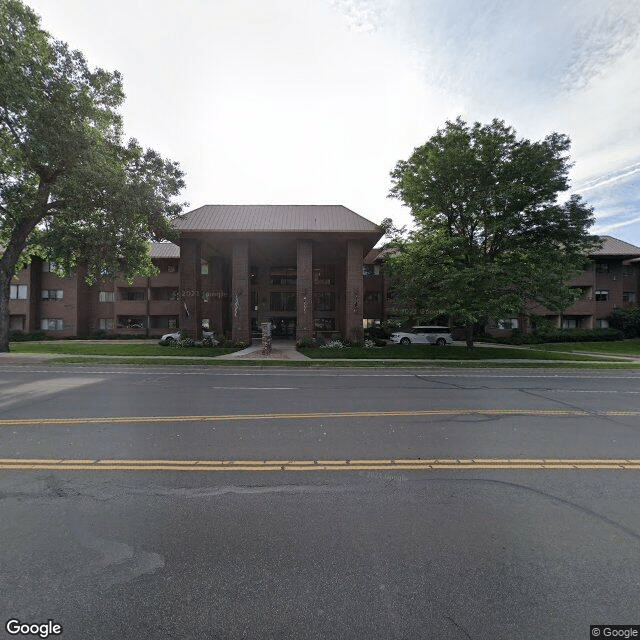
(284,328)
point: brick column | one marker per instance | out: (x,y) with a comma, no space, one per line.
(240,292)
(353,292)
(190,294)
(304,290)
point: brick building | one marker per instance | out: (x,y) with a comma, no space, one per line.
(611,281)
(233,268)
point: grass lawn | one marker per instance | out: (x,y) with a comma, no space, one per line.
(105,349)
(427,352)
(618,347)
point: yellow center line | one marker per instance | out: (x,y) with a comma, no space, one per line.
(401,464)
(307,416)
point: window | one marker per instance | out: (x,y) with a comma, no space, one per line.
(371,270)
(52,324)
(172,267)
(126,322)
(372,296)
(283,301)
(627,270)
(106,296)
(49,267)
(508,323)
(204,268)
(602,295)
(105,324)
(324,301)
(629,296)
(569,323)
(16,323)
(283,275)
(132,294)
(602,324)
(18,291)
(602,267)
(52,294)
(324,324)
(324,274)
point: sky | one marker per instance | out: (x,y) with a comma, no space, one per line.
(315,101)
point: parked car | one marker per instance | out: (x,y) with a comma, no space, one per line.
(176,335)
(439,336)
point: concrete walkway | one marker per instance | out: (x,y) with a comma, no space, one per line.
(280,350)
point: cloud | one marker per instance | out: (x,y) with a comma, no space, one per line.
(617,225)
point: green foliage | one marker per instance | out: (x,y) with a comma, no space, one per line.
(307,343)
(626,320)
(241,344)
(71,190)
(561,335)
(490,235)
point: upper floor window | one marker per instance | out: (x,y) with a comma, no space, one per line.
(602,267)
(49,267)
(324,301)
(283,275)
(372,296)
(106,296)
(627,270)
(132,294)
(629,296)
(18,291)
(602,295)
(283,301)
(52,294)
(371,270)
(325,274)
(204,268)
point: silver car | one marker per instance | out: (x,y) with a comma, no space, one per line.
(176,335)
(439,336)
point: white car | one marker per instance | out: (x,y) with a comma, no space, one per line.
(176,335)
(439,336)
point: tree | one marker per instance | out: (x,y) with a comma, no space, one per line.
(490,233)
(70,189)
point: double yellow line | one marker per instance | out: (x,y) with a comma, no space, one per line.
(561,413)
(396,465)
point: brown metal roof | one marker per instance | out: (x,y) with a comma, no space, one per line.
(614,247)
(164,250)
(281,218)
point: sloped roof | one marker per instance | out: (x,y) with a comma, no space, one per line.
(613,247)
(164,250)
(275,218)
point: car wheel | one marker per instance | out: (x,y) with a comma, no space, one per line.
(405,341)
(441,342)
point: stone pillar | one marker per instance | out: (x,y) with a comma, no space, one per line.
(304,290)
(190,293)
(240,292)
(353,292)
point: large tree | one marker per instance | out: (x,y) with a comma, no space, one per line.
(490,234)
(71,190)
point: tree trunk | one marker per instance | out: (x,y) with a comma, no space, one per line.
(469,335)
(5,320)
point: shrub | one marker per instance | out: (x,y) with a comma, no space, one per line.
(626,320)
(241,344)
(334,344)
(563,335)
(306,343)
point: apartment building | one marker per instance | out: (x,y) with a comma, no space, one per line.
(232,268)
(611,281)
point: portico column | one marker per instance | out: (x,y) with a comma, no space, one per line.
(190,315)
(353,291)
(240,294)
(304,290)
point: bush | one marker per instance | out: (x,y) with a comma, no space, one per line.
(626,320)
(306,343)
(21,336)
(563,335)
(241,344)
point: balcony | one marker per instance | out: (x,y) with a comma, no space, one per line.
(164,307)
(131,307)
(165,279)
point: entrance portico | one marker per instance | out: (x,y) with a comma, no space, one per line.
(299,267)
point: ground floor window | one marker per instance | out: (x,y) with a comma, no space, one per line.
(164,322)
(128,322)
(508,323)
(324,324)
(601,323)
(283,301)
(570,323)
(629,296)
(105,324)
(602,296)
(52,324)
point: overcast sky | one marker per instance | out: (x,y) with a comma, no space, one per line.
(314,101)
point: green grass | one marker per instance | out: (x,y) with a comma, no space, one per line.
(106,349)
(427,352)
(618,348)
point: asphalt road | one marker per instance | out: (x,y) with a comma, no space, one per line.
(188,503)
